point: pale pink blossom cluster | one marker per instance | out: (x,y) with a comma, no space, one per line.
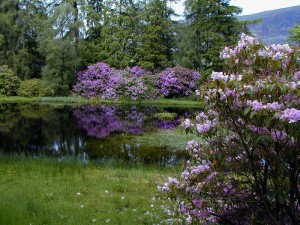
(246,41)
(291,115)
(227,53)
(219,76)
(204,127)
(276,52)
(187,123)
(257,105)
(204,123)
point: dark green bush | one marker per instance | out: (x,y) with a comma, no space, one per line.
(34,88)
(9,82)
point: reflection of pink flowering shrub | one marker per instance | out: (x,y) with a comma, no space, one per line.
(177,81)
(245,167)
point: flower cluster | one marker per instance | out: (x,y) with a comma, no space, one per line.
(100,80)
(177,81)
(254,58)
(248,158)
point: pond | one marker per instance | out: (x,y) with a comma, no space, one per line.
(126,132)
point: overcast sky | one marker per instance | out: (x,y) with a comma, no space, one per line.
(251,6)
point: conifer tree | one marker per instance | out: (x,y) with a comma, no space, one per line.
(156,44)
(210,26)
(19,23)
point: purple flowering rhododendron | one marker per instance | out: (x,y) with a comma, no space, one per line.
(100,80)
(177,81)
(245,167)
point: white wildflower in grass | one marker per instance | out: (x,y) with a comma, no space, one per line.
(107,221)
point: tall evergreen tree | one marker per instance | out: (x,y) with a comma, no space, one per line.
(211,24)
(118,34)
(19,23)
(156,44)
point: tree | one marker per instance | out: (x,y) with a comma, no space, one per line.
(295,34)
(59,42)
(19,22)
(156,36)
(211,25)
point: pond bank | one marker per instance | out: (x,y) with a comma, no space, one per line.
(78,100)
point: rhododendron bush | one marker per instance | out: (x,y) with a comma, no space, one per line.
(102,81)
(245,167)
(177,81)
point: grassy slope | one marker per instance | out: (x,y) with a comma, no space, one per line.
(48,192)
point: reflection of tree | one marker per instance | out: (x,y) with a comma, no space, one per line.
(59,130)
(39,129)
(9,116)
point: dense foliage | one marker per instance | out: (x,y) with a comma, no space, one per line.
(33,88)
(53,40)
(9,82)
(295,34)
(247,159)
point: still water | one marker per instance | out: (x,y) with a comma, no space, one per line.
(131,133)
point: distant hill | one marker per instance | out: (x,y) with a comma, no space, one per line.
(275,24)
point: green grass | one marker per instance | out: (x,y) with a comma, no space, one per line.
(79,100)
(45,191)
(165,116)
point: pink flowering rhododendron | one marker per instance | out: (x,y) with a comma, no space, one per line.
(245,167)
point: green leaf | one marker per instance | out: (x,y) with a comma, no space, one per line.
(247,110)
(252,114)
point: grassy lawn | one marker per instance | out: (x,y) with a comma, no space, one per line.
(45,191)
(75,100)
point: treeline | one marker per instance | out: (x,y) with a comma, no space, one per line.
(54,39)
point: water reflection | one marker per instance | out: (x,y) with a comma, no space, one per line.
(98,131)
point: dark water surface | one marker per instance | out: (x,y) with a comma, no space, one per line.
(125,132)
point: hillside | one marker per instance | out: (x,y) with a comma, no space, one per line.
(275,24)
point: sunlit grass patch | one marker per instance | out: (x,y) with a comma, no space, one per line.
(44,191)
(165,116)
